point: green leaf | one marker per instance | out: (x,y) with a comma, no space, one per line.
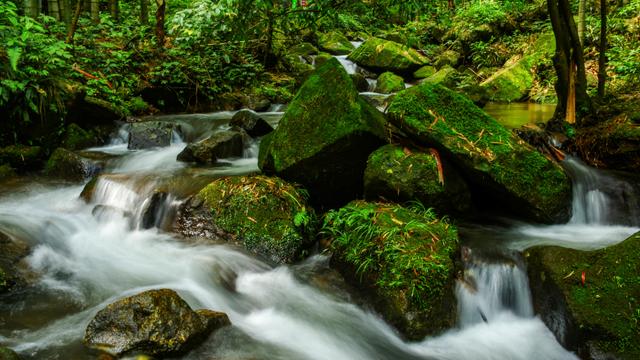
(14,56)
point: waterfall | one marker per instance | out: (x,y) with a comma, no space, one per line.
(590,204)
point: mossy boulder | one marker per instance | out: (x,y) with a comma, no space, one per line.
(389,82)
(65,164)
(448,58)
(399,174)
(599,316)
(515,79)
(224,144)
(324,138)
(22,158)
(335,43)
(251,123)
(12,252)
(77,138)
(154,322)
(150,134)
(404,259)
(424,72)
(8,354)
(6,172)
(498,163)
(383,55)
(446,76)
(267,215)
(304,49)
(360,82)
(322,59)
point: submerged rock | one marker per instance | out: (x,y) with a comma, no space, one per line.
(335,43)
(389,82)
(402,175)
(155,322)
(224,144)
(599,316)
(500,165)
(325,137)
(149,134)
(404,260)
(251,123)
(383,55)
(267,215)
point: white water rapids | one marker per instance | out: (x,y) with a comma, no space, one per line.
(88,258)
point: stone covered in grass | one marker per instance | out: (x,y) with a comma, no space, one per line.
(500,164)
(267,215)
(324,138)
(155,322)
(603,315)
(398,174)
(383,55)
(335,43)
(389,82)
(403,257)
(515,79)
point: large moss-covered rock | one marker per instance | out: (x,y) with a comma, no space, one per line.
(65,164)
(220,145)
(403,258)
(389,82)
(22,157)
(502,166)
(383,55)
(448,58)
(155,322)
(424,72)
(399,174)
(335,43)
(446,76)
(603,314)
(149,134)
(266,215)
(324,138)
(76,138)
(515,79)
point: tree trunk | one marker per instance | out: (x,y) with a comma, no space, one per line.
(568,54)
(162,5)
(74,22)
(95,11)
(54,9)
(31,8)
(114,7)
(602,57)
(65,11)
(144,12)
(581,20)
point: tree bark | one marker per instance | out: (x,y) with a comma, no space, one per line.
(602,57)
(74,22)
(568,55)
(54,9)
(162,5)
(144,12)
(31,8)
(65,11)
(581,20)
(95,11)
(114,9)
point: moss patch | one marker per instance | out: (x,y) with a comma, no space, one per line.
(77,138)
(404,256)
(446,76)
(335,43)
(66,165)
(489,154)
(606,309)
(389,82)
(21,157)
(269,216)
(424,72)
(384,55)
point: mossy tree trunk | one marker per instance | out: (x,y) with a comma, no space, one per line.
(95,11)
(31,8)
(54,9)
(568,56)
(602,58)
(74,22)
(581,20)
(160,13)
(144,12)
(114,8)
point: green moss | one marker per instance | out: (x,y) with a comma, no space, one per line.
(424,72)
(405,255)
(303,49)
(66,164)
(389,82)
(77,138)
(6,171)
(269,216)
(488,151)
(448,58)
(607,307)
(8,354)
(446,76)
(335,43)
(21,157)
(322,59)
(383,55)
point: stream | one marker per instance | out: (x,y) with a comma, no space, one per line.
(89,255)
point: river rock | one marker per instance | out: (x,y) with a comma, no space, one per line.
(514,81)
(224,144)
(12,251)
(503,169)
(424,72)
(22,157)
(251,123)
(155,322)
(65,164)
(403,259)
(383,55)
(324,138)
(399,174)
(335,43)
(601,316)
(389,82)
(446,76)
(448,58)
(149,134)
(8,354)
(265,214)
